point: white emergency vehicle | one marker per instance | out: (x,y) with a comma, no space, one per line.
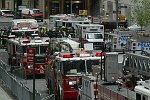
(72,22)
(91,33)
(21,27)
(53,18)
(139,45)
(118,39)
(143,90)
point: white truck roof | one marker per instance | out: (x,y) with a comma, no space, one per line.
(143,87)
(23,20)
(90,25)
(24,25)
(19,41)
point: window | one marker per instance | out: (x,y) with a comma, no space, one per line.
(7,12)
(90,63)
(94,36)
(43,49)
(145,97)
(36,11)
(138,96)
(73,67)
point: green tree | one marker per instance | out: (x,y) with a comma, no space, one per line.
(141,13)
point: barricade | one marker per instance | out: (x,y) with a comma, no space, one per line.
(51,97)
(17,88)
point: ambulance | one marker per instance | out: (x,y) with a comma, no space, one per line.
(22,27)
(23,51)
(91,33)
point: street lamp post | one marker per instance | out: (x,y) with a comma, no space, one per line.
(116,1)
(71,6)
(34,78)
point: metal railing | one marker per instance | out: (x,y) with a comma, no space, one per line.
(17,87)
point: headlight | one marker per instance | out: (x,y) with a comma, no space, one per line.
(70,83)
(30,66)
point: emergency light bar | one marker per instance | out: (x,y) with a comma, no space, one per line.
(98,54)
(67,56)
(26,41)
(84,55)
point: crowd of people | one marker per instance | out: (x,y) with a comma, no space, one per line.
(57,32)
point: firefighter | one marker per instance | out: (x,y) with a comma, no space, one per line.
(44,29)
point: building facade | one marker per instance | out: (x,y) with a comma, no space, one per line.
(49,7)
(105,9)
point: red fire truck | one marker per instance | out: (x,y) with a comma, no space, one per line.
(23,51)
(63,73)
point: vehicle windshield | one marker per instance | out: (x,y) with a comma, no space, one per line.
(94,36)
(40,49)
(8,12)
(78,67)
(36,11)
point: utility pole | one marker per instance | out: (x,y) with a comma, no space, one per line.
(116,1)
(34,77)
(71,6)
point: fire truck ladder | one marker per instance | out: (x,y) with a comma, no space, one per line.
(137,64)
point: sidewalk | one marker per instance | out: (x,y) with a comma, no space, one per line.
(6,94)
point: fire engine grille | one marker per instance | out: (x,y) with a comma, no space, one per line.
(98,45)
